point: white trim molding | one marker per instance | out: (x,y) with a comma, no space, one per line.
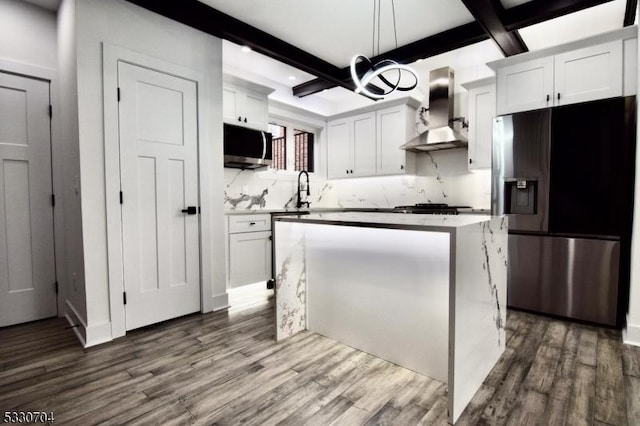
(76,322)
(87,335)
(220,301)
(631,334)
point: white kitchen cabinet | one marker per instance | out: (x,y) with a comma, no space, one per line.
(248,249)
(394,127)
(525,86)
(368,144)
(481,110)
(245,103)
(340,148)
(363,129)
(580,75)
(590,73)
(352,146)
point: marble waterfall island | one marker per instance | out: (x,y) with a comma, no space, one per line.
(427,292)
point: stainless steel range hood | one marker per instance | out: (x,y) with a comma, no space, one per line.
(441,134)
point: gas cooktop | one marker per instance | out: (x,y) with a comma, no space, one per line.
(429,208)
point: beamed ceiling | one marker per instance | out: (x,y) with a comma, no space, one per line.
(320,37)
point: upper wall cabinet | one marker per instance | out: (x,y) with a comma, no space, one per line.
(581,75)
(482,109)
(368,144)
(245,103)
(596,68)
(352,146)
(394,127)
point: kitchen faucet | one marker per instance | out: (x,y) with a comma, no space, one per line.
(300,189)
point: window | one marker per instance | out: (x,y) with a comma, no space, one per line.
(278,146)
(292,146)
(303,150)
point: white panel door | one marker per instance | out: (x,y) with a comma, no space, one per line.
(339,149)
(587,74)
(364,145)
(159,178)
(27,270)
(525,86)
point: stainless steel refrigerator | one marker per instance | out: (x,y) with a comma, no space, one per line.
(564,176)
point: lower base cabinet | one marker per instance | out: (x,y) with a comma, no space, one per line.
(249,249)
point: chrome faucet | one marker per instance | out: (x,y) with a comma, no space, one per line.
(300,189)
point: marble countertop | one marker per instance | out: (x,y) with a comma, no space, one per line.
(308,210)
(424,222)
(340,209)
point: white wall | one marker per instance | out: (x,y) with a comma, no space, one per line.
(27,34)
(65,129)
(122,24)
(632,332)
(31,38)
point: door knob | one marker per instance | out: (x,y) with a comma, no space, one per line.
(190,210)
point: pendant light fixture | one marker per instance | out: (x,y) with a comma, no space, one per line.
(386,70)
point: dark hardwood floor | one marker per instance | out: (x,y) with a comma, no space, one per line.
(225,368)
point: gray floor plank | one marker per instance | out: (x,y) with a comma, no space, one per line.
(226,368)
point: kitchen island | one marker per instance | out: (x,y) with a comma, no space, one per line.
(427,292)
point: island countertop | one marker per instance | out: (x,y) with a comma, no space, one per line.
(424,222)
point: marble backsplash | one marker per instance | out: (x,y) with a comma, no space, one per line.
(441,177)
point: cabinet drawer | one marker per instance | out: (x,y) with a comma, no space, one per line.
(249,223)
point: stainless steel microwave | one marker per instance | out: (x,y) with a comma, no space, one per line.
(246,148)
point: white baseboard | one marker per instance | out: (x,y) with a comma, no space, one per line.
(76,322)
(98,333)
(220,301)
(631,335)
(88,335)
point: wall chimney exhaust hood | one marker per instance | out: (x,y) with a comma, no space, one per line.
(440,133)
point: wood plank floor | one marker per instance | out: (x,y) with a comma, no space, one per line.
(225,368)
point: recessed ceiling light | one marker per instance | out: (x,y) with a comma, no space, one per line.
(292,77)
(246,49)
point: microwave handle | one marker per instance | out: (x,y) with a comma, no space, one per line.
(264,145)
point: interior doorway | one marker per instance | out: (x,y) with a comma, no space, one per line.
(27,256)
(158,139)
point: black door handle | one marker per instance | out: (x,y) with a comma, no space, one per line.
(190,210)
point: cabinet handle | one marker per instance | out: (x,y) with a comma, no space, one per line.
(252,223)
(558,95)
(351,171)
(347,171)
(548,98)
(401,166)
(239,118)
(470,161)
(245,119)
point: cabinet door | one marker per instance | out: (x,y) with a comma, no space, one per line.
(594,72)
(249,257)
(482,109)
(255,111)
(339,149)
(525,86)
(392,133)
(364,144)
(230,105)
